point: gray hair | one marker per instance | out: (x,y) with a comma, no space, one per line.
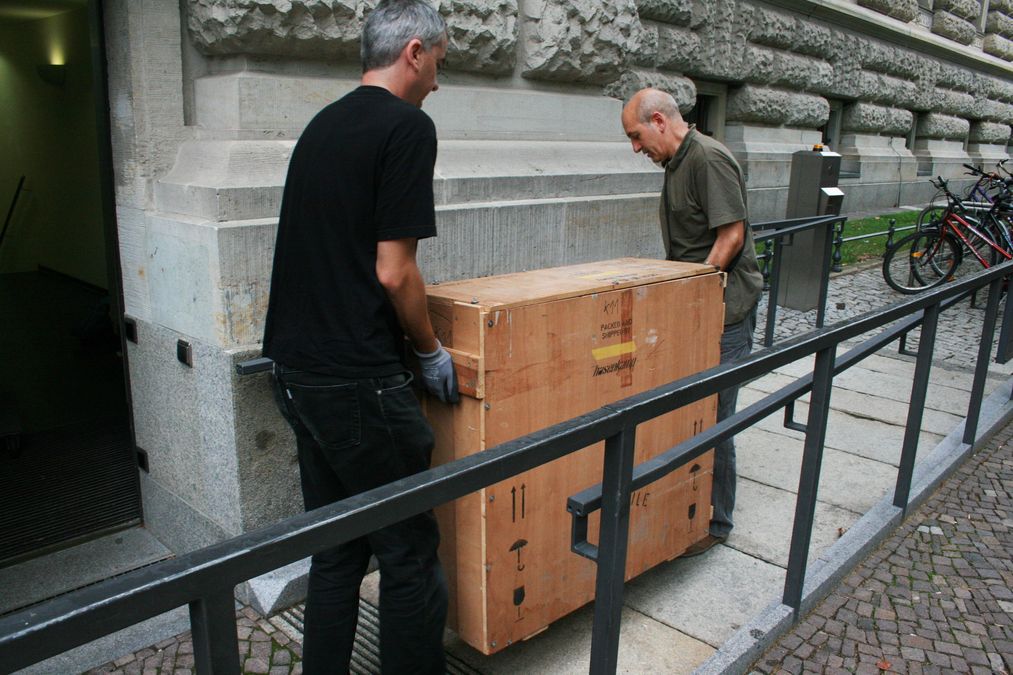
(656,100)
(395,23)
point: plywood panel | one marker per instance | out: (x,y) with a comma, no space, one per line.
(511,290)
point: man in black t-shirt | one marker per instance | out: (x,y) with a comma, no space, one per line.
(345,291)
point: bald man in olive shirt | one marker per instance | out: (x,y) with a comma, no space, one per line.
(703,220)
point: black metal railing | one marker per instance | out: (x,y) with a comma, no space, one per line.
(774,235)
(205,579)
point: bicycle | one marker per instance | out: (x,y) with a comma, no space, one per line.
(931,256)
(981,195)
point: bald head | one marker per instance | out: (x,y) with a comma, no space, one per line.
(648,101)
(652,122)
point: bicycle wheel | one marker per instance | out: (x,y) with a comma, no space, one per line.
(928,215)
(920,261)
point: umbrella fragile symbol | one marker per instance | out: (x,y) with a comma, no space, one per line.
(517,546)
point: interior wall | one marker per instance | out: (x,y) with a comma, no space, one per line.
(48,134)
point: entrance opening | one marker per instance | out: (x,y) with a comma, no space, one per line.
(67,465)
(708,112)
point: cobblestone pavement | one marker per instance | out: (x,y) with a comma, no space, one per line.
(265,646)
(934,598)
(270,645)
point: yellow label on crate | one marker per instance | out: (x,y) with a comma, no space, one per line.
(611,351)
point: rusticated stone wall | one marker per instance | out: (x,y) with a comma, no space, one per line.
(482,33)
(871,118)
(999,30)
(576,40)
(788,65)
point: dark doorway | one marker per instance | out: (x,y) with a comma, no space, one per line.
(703,114)
(67,464)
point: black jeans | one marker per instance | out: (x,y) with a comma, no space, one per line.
(351,436)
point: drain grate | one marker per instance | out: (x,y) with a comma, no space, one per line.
(64,485)
(366,653)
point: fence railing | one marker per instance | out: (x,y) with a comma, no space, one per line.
(205,579)
(774,235)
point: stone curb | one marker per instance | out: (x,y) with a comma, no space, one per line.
(752,640)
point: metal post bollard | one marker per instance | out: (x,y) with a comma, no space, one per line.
(838,244)
(768,256)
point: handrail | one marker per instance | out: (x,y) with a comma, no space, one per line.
(588,500)
(10,211)
(777,231)
(205,579)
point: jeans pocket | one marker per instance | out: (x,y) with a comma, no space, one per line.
(408,428)
(329,412)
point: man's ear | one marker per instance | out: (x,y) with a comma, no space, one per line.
(413,52)
(659,121)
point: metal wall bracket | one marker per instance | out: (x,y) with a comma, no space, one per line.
(251,366)
(184,353)
(130,329)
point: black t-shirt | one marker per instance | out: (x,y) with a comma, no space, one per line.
(361,172)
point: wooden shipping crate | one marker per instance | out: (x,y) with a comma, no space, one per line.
(537,348)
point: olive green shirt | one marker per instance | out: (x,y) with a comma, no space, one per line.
(703,190)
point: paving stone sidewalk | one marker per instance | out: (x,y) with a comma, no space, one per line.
(934,598)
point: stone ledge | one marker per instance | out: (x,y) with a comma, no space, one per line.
(284,104)
(226,181)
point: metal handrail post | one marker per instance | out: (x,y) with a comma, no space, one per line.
(768,255)
(838,245)
(10,211)
(1003,354)
(916,407)
(809,477)
(612,547)
(768,334)
(821,303)
(981,366)
(215,642)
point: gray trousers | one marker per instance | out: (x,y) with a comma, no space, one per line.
(736,343)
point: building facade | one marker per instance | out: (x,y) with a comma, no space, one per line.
(208,98)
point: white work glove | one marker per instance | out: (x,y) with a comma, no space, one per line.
(438,374)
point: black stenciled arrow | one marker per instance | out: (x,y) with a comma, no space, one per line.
(513,501)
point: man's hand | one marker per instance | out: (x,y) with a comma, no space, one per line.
(438,374)
(729,241)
